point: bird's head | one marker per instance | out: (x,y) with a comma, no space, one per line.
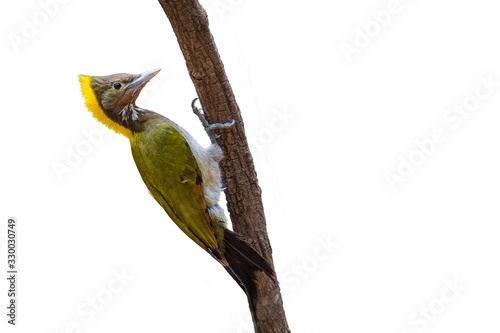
(111,98)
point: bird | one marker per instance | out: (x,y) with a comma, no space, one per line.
(180,174)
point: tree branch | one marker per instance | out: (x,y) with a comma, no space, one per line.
(244,202)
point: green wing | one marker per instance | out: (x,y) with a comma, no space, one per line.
(172,175)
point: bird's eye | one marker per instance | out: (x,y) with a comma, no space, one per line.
(117,85)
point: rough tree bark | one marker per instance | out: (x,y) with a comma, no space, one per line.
(244,202)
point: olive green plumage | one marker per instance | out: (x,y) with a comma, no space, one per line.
(182,176)
(171,173)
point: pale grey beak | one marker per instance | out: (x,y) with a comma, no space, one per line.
(143,78)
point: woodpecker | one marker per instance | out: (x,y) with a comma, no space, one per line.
(181,175)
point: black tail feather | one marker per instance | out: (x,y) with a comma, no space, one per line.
(244,261)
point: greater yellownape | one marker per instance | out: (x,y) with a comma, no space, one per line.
(181,175)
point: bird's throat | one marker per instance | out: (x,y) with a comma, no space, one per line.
(95,109)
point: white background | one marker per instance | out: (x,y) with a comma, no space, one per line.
(321,167)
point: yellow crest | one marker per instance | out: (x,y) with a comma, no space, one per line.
(93,106)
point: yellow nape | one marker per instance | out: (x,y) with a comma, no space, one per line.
(93,106)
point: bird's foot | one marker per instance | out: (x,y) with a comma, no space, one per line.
(219,125)
(209,128)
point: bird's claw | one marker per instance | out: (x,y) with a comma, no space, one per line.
(218,126)
(209,127)
(199,113)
